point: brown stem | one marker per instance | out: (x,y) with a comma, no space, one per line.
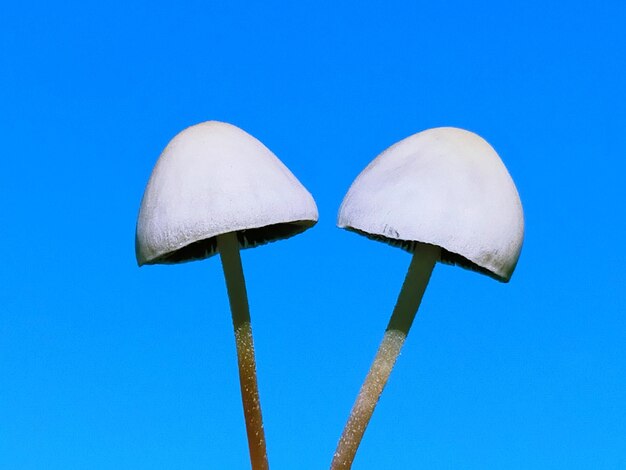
(228,247)
(420,269)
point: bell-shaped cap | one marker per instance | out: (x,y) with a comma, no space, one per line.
(214,178)
(446,187)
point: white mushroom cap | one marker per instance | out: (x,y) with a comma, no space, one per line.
(214,178)
(445,187)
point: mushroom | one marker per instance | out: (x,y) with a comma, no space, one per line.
(216,188)
(443,195)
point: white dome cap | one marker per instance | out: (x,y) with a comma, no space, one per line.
(214,178)
(445,187)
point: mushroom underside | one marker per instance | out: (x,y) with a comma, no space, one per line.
(248,238)
(447,257)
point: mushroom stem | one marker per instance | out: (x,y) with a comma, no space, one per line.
(424,259)
(228,247)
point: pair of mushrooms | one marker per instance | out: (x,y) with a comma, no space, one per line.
(442,194)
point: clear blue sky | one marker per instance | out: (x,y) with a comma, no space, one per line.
(107,366)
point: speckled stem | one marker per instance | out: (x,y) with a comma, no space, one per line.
(420,269)
(231,261)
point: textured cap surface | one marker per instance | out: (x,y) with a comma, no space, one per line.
(446,187)
(214,178)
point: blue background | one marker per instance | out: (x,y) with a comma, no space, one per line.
(107,366)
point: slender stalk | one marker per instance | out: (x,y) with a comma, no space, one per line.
(228,247)
(415,282)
